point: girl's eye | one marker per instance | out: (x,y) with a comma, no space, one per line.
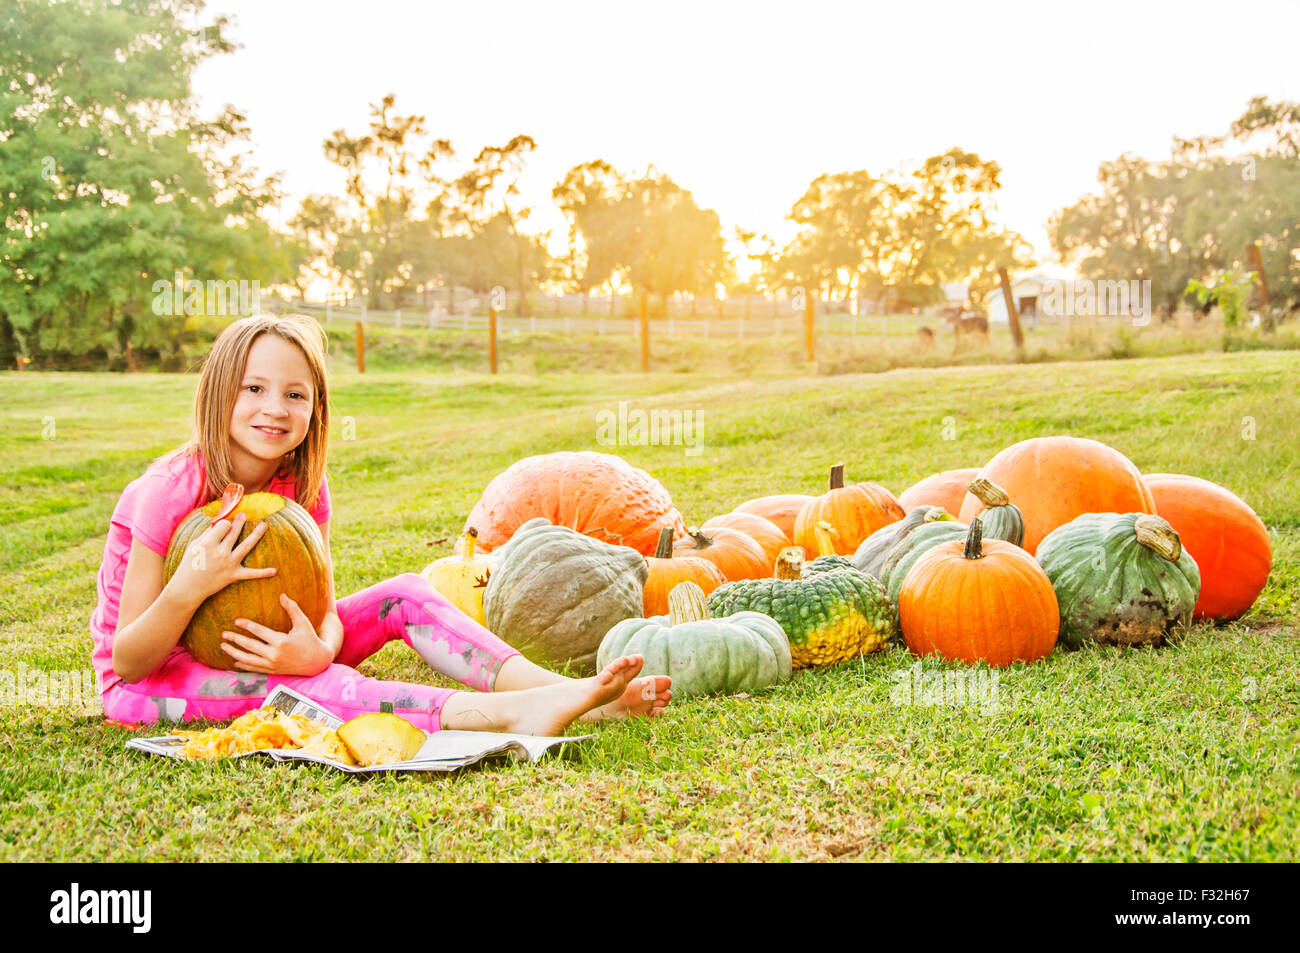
(254,388)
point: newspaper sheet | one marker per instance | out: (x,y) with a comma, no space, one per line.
(443,751)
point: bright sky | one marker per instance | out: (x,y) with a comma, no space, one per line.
(745,103)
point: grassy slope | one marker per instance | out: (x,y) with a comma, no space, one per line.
(1189,752)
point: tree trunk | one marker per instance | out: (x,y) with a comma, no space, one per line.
(8,344)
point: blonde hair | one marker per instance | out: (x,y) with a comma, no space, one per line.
(214,402)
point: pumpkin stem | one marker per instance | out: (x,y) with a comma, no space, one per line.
(936,514)
(702,539)
(974,538)
(824,532)
(789,564)
(988,492)
(1158,536)
(470,535)
(837,477)
(665,548)
(687,603)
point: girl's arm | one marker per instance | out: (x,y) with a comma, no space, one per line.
(152,617)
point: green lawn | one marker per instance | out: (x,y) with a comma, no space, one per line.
(1186,753)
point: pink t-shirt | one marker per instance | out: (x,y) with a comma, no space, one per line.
(150,509)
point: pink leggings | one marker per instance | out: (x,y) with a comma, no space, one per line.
(405,607)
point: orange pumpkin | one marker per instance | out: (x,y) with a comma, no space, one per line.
(763,531)
(782,510)
(668,569)
(946,489)
(979,601)
(1055,479)
(596,494)
(1228,541)
(735,553)
(854,512)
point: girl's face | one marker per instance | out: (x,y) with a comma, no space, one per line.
(274,406)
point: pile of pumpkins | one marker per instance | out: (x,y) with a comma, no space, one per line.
(578,557)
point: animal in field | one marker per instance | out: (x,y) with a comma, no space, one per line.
(968,325)
(925,337)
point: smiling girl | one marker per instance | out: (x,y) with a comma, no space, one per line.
(261,419)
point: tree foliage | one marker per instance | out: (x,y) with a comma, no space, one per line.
(1181,221)
(110,181)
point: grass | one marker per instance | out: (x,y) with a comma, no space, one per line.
(1186,753)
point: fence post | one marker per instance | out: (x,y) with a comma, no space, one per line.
(810,329)
(492,339)
(1257,265)
(361,345)
(329,315)
(433,318)
(645,334)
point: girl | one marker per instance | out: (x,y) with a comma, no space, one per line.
(261,419)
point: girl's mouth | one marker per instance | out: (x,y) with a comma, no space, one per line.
(271,432)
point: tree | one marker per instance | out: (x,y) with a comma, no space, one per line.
(110,181)
(647,231)
(1190,217)
(897,238)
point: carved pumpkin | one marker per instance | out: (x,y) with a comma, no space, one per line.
(1228,541)
(1055,479)
(854,513)
(978,600)
(292,544)
(596,494)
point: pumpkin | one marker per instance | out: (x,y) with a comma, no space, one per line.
(292,544)
(946,489)
(829,615)
(977,600)
(1055,479)
(596,494)
(555,593)
(733,552)
(854,512)
(462,577)
(381,738)
(763,531)
(667,570)
(870,556)
(1225,537)
(744,652)
(782,509)
(1001,518)
(1121,579)
(907,551)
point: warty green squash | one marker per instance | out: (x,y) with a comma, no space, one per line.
(830,613)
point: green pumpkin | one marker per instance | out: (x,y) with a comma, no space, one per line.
(830,614)
(554,593)
(744,652)
(870,557)
(910,549)
(1120,579)
(1001,518)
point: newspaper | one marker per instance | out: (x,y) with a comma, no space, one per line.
(444,751)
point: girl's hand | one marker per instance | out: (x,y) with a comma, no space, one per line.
(296,652)
(214,560)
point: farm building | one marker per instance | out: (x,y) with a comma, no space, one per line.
(1026,292)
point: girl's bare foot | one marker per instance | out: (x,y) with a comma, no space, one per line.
(648,696)
(546,710)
